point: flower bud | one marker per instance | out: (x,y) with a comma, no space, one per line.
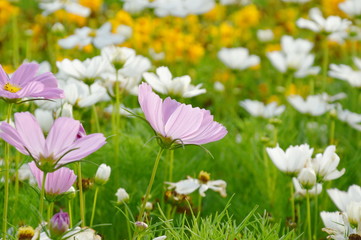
(141,225)
(59,223)
(102,175)
(353,211)
(149,206)
(122,195)
(71,193)
(307,178)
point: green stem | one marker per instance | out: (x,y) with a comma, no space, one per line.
(50,211)
(199,204)
(42,195)
(94,205)
(316,213)
(332,131)
(266,169)
(116,117)
(81,196)
(70,211)
(151,181)
(292,202)
(128,222)
(96,119)
(308,215)
(171,163)
(325,63)
(7,177)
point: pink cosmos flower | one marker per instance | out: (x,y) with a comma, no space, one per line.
(25,83)
(178,123)
(56,182)
(66,142)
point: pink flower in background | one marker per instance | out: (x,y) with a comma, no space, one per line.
(26,83)
(66,142)
(56,182)
(178,123)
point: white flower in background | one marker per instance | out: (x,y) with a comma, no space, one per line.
(100,38)
(160,238)
(353,211)
(181,8)
(259,109)
(293,160)
(88,70)
(102,175)
(296,1)
(148,206)
(325,165)
(135,6)
(127,85)
(203,183)
(122,195)
(342,199)
(314,105)
(124,111)
(25,173)
(238,58)
(294,56)
(346,73)
(157,56)
(351,7)
(351,118)
(336,225)
(135,66)
(80,94)
(70,6)
(301,192)
(218,86)
(307,178)
(44,66)
(117,56)
(164,83)
(329,25)
(46,117)
(265,35)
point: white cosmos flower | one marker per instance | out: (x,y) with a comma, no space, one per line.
(317,23)
(325,165)
(122,195)
(294,56)
(25,173)
(46,117)
(88,70)
(346,73)
(164,83)
(292,160)
(353,211)
(296,1)
(301,191)
(351,7)
(336,225)
(259,109)
(307,178)
(135,66)
(100,38)
(117,55)
(70,6)
(127,85)
(351,118)
(238,58)
(342,199)
(190,185)
(181,8)
(314,105)
(265,35)
(102,175)
(135,6)
(80,94)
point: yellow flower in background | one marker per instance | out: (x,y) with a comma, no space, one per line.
(273,47)
(216,14)
(65,17)
(330,7)
(7,11)
(94,5)
(249,16)
(122,17)
(195,52)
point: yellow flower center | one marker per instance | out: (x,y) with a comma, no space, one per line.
(92,34)
(11,88)
(204,177)
(25,233)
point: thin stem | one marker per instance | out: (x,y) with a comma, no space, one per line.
(266,167)
(171,163)
(42,195)
(308,215)
(332,131)
(128,222)
(292,202)
(50,211)
(116,117)
(199,204)
(316,212)
(151,181)
(96,118)
(70,211)
(81,196)
(7,177)
(325,63)
(94,205)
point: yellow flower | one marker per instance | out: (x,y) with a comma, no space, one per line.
(216,14)
(123,17)
(94,5)
(7,11)
(330,7)
(64,16)
(195,52)
(248,16)
(273,47)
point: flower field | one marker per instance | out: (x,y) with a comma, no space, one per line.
(180,119)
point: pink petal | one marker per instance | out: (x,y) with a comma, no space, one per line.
(38,174)
(84,147)
(59,181)
(24,74)
(3,77)
(30,133)
(62,135)
(10,135)
(169,106)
